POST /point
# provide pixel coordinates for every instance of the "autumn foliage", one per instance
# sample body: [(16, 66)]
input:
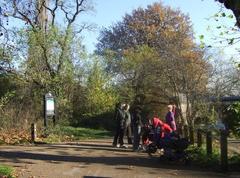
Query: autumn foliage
[(153, 49)]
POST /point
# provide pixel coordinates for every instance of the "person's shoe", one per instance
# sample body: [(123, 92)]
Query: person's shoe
[(124, 146), (118, 146)]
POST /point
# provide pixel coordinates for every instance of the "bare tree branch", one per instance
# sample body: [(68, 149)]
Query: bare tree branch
[(53, 12), (78, 10), (65, 12), (22, 15)]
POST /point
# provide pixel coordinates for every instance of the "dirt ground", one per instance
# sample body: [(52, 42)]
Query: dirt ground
[(93, 159)]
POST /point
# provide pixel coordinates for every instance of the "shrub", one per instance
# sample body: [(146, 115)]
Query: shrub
[(6, 171)]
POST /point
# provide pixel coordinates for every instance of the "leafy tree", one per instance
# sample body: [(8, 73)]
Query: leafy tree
[(153, 50), (100, 96), (190, 78), (157, 26), (229, 35), (224, 78), (232, 118), (135, 71), (233, 5), (43, 13), (50, 64), (6, 71), (6, 56), (47, 50)]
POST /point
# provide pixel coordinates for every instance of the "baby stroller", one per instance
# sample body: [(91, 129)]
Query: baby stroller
[(174, 147), (148, 143)]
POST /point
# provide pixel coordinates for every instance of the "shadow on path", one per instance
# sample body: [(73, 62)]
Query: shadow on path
[(85, 146), (113, 156)]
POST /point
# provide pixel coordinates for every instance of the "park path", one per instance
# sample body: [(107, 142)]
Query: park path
[(95, 158)]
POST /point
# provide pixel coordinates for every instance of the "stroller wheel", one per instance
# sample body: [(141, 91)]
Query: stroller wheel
[(150, 154), (150, 149)]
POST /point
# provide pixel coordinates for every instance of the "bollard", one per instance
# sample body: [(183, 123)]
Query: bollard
[(54, 120), (224, 150), (209, 142), (33, 132), (199, 138)]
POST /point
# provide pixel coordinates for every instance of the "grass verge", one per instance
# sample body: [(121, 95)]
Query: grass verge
[(67, 133), (6, 171)]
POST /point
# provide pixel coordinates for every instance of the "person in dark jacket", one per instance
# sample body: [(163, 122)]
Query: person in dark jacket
[(120, 125), (137, 124)]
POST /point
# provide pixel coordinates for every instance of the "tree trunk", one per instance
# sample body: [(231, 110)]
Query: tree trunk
[(191, 134), (42, 16), (199, 138)]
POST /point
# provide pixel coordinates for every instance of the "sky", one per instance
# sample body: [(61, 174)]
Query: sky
[(108, 12)]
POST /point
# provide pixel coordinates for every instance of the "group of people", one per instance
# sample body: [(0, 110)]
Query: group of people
[(131, 121)]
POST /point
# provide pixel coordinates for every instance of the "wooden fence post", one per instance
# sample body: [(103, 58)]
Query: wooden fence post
[(199, 138), (33, 132), (224, 150), (209, 142)]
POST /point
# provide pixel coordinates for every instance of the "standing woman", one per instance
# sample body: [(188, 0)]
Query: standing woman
[(128, 128), (170, 119)]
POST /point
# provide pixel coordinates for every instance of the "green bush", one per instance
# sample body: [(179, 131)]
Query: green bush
[(232, 118), (6, 171), (200, 157), (234, 162), (234, 159)]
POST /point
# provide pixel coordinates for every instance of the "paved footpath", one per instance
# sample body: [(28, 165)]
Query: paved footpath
[(95, 158)]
